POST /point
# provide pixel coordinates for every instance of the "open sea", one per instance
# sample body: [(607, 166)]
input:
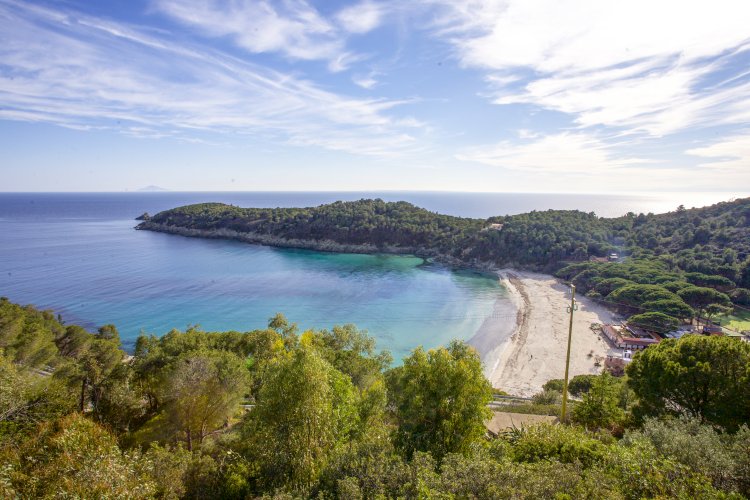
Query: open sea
[(78, 255)]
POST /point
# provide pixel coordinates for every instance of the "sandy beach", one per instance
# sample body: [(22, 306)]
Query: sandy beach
[(521, 356)]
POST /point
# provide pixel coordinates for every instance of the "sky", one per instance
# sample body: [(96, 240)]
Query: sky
[(567, 96)]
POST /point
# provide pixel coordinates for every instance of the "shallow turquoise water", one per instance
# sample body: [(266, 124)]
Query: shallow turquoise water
[(77, 253), (94, 268)]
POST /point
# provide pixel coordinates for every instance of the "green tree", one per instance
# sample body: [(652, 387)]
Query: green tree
[(441, 401), (76, 458), (304, 411), (580, 384), (27, 398), (702, 377), (654, 321), (675, 308), (701, 448), (699, 297), (600, 405), (202, 392)]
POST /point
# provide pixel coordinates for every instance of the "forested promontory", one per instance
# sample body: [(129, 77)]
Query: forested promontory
[(696, 261)]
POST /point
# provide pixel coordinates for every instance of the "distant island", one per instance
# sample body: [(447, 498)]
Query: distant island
[(152, 189)]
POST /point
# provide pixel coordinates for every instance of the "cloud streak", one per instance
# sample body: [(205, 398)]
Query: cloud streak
[(640, 66), (84, 72), (563, 153)]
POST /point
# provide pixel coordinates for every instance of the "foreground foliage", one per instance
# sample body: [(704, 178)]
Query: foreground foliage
[(276, 413)]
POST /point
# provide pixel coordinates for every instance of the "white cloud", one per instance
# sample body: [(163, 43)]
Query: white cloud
[(365, 81), (574, 35), (290, 27), (577, 161), (79, 71), (639, 65), (730, 155), (293, 28), (568, 153), (361, 18)]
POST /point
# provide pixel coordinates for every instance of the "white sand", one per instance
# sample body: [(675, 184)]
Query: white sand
[(535, 352)]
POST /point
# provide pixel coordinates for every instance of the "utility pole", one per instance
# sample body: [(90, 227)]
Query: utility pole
[(571, 308)]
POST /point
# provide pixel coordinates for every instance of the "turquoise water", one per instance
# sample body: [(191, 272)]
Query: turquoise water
[(90, 265), (77, 254)]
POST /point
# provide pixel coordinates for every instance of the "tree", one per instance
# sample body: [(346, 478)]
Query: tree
[(441, 401), (202, 392), (76, 458), (675, 308), (636, 295), (600, 406), (580, 384), (654, 321), (92, 362), (305, 409), (699, 297), (714, 309), (697, 376), (27, 398)]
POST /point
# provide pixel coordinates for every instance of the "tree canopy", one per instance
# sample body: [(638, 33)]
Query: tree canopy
[(702, 377)]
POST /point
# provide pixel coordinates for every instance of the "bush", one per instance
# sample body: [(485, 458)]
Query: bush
[(556, 384), (698, 447), (559, 442), (581, 384), (547, 397)]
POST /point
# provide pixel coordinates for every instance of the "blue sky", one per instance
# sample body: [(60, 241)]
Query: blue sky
[(515, 95)]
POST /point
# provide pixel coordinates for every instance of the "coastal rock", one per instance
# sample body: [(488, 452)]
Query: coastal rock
[(143, 216)]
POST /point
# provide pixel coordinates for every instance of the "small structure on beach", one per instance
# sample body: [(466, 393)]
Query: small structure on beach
[(630, 337), (712, 329)]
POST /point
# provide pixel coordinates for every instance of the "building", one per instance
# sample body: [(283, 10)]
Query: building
[(711, 329), (630, 337)]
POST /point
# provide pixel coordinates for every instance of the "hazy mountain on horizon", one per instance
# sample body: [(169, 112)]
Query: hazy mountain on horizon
[(152, 189)]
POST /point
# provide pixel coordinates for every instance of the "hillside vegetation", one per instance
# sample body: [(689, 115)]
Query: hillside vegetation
[(692, 262), (278, 413)]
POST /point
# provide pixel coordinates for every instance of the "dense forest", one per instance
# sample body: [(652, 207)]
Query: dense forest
[(673, 267), (278, 413)]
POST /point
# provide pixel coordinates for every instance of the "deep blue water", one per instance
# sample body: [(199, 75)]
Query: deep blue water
[(78, 254)]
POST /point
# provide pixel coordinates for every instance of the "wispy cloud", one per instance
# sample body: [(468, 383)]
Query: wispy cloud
[(290, 27), (565, 152), (642, 66), (367, 81), (80, 71), (730, 155), (293, 28), (361, 18)]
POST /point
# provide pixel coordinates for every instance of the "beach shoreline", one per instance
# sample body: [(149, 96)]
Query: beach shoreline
[(521, 356)]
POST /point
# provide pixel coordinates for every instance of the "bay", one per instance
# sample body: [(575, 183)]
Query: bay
[(78, 254)]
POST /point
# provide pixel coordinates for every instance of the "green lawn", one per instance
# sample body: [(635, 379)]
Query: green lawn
[(739, 320)]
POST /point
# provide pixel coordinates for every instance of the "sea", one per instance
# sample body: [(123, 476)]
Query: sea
[(79, 255)]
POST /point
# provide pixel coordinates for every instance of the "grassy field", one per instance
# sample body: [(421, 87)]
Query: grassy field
[(739, 320)]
